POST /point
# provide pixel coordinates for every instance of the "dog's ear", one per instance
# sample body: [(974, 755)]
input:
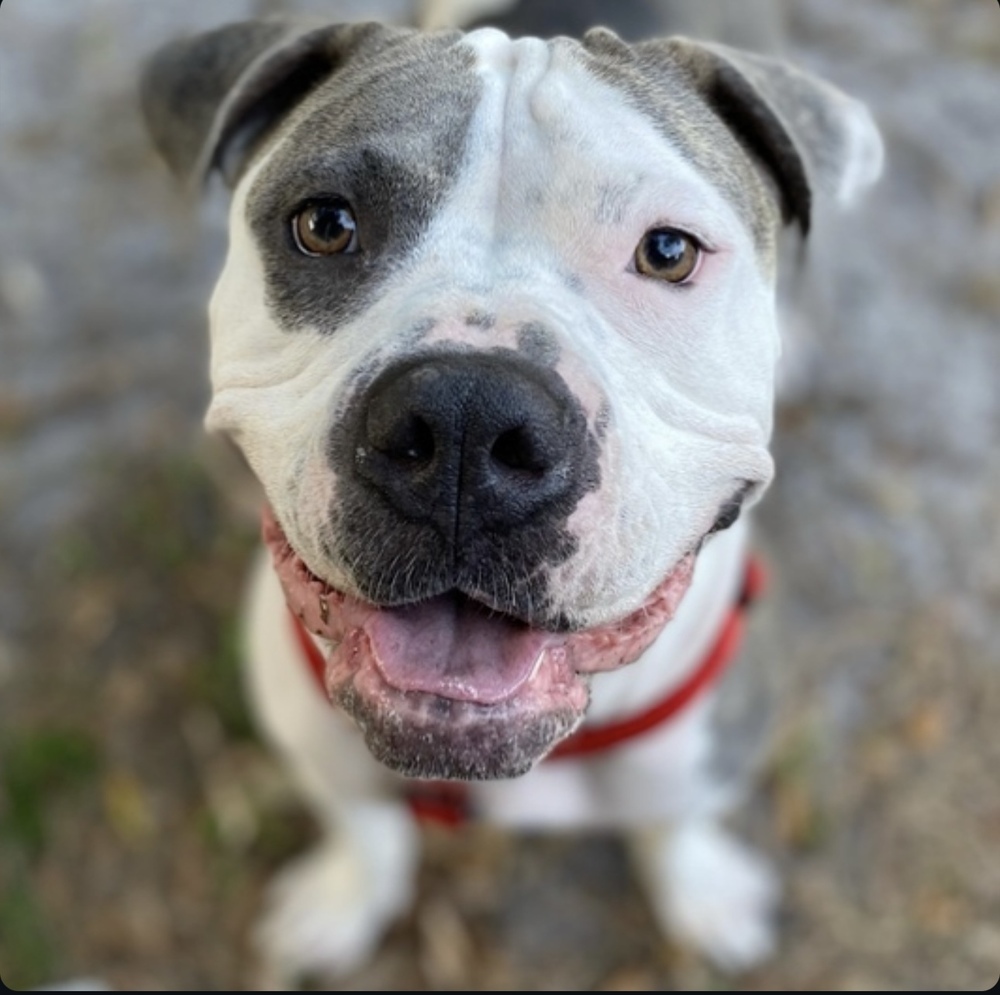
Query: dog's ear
[(211, 99), (811, 138)]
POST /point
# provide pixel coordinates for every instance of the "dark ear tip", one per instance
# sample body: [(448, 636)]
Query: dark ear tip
[(176, 128), (183, 85), (731, 80), (607, 42)]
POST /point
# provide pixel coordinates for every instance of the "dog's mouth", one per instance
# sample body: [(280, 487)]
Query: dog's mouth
[(447, 687)]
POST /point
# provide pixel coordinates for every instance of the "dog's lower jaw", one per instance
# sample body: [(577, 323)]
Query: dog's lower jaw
[(422, 734), (446, 689), (437, 738)]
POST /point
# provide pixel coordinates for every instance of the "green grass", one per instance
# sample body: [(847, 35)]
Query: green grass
[(27, 955), (218, 683), (162, 514), (33, 766)]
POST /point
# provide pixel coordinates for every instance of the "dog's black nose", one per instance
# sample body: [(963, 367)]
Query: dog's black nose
[(471, 443)]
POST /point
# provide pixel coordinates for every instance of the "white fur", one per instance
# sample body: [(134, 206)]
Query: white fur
[(710, 891), (328, 910)]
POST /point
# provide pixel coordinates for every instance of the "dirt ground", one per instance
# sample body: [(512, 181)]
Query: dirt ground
[(140, 817)]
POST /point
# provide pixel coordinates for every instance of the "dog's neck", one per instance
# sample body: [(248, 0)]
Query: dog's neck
[(685, 641)]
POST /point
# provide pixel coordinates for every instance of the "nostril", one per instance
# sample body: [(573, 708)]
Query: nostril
[(472, 444), (407, 439), (517, 449)]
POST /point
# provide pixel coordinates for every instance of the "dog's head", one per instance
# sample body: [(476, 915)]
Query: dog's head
[(497, 334)]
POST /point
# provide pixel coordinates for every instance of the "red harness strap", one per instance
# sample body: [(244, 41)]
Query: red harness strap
[(445, 802)]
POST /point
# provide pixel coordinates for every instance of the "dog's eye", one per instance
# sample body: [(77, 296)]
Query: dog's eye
[(667, 254), (326, 228)]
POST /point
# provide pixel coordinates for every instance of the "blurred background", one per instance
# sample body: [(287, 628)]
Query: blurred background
[(139, 814)]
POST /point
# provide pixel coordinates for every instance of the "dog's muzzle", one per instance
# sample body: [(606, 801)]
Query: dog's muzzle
[(475, 462)]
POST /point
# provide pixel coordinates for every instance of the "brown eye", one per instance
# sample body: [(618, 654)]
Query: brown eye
[(326, 228), (667, 254)]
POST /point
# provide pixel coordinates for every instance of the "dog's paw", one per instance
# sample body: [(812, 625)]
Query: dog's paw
[(327, 911), (712, 893)]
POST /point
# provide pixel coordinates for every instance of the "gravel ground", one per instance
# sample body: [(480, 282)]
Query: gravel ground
[(139, 816)]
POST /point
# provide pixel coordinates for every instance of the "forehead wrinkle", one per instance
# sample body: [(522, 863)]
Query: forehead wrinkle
[(504, 134), (517, 165)]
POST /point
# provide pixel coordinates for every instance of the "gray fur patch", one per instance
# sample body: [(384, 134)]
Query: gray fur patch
[(388, 135), (419, 330), (480, 319), (538, 344), (748, 702)]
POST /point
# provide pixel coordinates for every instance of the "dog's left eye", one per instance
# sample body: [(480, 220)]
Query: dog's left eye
[(326, 228), (668, 254)]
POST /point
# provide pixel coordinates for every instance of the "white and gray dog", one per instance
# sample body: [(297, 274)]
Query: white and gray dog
[(497, 335)]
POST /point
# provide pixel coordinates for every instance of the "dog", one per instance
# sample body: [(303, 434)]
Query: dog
[(497, 335)]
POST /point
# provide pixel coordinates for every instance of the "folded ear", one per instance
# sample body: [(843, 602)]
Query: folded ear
[(210, 100), (812, 139)]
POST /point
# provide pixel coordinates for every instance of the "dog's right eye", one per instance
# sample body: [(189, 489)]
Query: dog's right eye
[(326, 228), (668, 254)]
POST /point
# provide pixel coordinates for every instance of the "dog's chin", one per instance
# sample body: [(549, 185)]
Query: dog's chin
[(428, 736), (447, 688)]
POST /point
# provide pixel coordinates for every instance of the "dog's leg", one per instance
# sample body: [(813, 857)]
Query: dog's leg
[(328, 910), (709, 891)]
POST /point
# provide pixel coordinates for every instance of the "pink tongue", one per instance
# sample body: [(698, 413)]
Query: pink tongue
[(454, 648)]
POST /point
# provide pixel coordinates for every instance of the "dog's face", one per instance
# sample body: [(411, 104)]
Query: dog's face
[(497, 334)]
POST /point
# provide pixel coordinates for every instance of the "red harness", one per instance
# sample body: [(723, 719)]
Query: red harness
[(445, 801)]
